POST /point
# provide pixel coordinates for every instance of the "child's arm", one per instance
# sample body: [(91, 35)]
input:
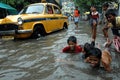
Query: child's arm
[(106, 60), (106, 66)]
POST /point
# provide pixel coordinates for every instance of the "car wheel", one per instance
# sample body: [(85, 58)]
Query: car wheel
[(42, 31), (36, 32)]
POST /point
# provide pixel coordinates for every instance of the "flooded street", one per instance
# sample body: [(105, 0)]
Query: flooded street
[(42, 59)]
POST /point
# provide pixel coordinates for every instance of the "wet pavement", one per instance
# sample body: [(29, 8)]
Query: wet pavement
[(42, 59)]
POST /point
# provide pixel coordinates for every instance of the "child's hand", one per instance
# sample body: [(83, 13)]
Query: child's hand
[(87, 60), (109, 25)]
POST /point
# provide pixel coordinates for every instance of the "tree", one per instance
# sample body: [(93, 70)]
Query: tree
[(19, 4), (85, 4)]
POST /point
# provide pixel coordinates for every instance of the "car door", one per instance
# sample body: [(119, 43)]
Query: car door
[(50, 26), (58, 18)]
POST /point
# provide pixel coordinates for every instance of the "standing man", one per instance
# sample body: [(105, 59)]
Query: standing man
[(76, 16)]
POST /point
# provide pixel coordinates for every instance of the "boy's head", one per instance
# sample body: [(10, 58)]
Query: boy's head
[(94, 57), (76, 7), (93, 8), (110, 15), (105, 6), (72, 41)]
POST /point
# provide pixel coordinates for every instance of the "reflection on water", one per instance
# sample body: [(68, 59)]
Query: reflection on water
[(42, 59)]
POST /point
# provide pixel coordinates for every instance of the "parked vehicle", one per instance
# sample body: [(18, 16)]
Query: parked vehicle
[(33, 21)]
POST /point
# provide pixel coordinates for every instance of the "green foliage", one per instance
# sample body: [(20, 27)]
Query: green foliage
[(18, 4), (84, 5)]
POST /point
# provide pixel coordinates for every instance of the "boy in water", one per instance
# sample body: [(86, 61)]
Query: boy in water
[(72, 46), (96, 57)]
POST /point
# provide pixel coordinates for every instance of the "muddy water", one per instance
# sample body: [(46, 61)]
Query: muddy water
[(42, 59)]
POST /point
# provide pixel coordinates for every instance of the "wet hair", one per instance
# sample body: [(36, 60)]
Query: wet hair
[(87, 47), (110, 12), (95, 52), (72, 38), (105, 5)]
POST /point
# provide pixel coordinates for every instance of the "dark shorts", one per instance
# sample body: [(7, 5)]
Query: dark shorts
[(116, 31), (93, 21)]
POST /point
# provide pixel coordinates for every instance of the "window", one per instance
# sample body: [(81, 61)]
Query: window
[(57, 10), (49, 9), (32, 9)]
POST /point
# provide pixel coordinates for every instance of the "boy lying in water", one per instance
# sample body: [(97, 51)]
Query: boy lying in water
[(96, 57)]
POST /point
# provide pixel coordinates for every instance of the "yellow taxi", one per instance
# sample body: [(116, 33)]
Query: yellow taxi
[(34, 20)]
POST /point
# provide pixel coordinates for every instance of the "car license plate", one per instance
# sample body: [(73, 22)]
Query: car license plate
[(7, 37)]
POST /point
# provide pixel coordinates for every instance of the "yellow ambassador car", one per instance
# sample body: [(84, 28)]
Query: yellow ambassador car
[(34, 21)]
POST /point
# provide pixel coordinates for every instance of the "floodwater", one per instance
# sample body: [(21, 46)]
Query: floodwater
[(42, 59)]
